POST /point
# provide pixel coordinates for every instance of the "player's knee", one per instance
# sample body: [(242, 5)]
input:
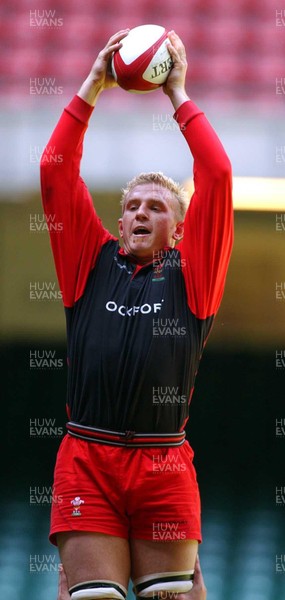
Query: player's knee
[(98, 590), (164, 586)]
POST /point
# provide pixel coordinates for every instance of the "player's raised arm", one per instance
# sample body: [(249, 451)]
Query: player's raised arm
[(208, 226), (75, 230), (100, 77)]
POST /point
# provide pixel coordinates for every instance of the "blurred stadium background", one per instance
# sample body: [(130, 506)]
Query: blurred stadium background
[(237, 419)]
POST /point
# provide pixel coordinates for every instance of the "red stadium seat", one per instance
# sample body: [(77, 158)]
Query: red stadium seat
[(77, 32), (223, 35), (159, 12), (216, 8), (73, 7), (22, 64), (254, 9), (264, 42), (16, 31)]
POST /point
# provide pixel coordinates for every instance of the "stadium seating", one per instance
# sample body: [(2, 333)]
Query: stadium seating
[(235, 50)]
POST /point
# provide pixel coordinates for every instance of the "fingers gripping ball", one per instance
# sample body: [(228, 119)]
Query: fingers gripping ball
[(143, 62)]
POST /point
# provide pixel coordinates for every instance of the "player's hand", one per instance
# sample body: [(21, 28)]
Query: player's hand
[(63, 593), (199, 590), (174, 86), (177, 75), (100, 76), (101, 72)]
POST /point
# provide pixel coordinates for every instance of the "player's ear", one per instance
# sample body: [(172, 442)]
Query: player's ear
[(179, 231), (120, 226)]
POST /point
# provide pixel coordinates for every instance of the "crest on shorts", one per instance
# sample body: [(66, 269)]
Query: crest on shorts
[(76, 504)]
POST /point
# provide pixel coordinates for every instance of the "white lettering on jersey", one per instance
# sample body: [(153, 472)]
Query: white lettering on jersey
[(124, 311)]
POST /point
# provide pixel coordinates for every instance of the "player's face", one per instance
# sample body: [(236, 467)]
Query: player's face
[(149, 221)]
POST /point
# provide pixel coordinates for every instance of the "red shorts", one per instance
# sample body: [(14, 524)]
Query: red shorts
[(144, 493)]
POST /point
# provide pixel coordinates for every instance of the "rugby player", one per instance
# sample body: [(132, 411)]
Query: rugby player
[(137, 321)]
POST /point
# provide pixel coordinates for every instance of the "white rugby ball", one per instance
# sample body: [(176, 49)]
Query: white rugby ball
[(143, 62)]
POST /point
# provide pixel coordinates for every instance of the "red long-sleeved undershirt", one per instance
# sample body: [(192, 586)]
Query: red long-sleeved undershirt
[(208, 234)]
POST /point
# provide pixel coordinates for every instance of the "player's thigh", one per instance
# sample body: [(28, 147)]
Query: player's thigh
[(148, 557), (92, 556)]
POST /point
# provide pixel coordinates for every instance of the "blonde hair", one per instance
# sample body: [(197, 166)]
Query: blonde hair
[(177, 191)]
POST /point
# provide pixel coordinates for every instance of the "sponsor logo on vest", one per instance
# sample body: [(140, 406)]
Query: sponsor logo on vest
[(126, 311)]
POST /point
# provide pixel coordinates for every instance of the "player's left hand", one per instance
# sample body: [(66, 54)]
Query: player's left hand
[(176, 78)]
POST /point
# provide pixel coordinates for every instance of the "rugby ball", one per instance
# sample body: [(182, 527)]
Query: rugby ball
[(143, 62)]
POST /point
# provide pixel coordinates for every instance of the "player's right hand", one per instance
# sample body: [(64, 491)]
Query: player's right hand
[(101, 72)]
